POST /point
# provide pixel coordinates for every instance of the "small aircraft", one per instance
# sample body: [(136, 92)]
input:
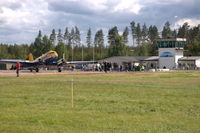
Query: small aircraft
[(47, 60)]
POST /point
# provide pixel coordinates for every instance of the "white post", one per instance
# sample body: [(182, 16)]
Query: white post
[(72, 85), (72, 51)]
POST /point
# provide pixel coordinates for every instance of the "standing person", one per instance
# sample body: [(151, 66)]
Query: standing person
[(120, 68), (142, 68), (105, 66), (18, 68)]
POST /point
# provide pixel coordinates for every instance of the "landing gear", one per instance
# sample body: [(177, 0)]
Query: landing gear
[(59, 69), (37, 70)]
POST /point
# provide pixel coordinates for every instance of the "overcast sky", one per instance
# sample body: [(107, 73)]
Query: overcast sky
[(20, 20)]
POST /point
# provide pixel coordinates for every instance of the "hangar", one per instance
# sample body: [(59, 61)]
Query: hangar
[(170, 56)]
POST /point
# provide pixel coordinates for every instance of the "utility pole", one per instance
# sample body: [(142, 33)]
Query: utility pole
[(82, 51), (93, 53), (72, 51)]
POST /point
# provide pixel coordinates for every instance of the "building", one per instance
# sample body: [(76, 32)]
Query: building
[(170, 50), (170, 56), (151, 62), (126, 62), (189, 63), (5, 66)]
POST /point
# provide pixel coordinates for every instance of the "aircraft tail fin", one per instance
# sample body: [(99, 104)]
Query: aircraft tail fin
[(30, 57)]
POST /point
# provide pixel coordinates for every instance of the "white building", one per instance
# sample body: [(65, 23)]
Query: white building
[(170, 50)]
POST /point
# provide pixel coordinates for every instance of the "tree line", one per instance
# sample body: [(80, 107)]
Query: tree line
[(70, 47)]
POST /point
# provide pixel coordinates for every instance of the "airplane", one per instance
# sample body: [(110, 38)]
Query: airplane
[(49, 59)]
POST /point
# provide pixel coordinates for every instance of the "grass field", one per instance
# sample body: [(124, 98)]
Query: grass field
[(143, 102)]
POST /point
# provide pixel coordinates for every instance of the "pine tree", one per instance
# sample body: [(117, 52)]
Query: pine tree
[(99, 44), (174, 33), (138, 34), (144, 33), (48, 45), (198, 32), (153, 33), (166, 32), (112, 33), (125, 35), (183, 30), (39, 34), (60, 36), (133, 31), (120, 46), (117, 46), (37, 47), (77, 37), (53, 36), (66, 36), (60, 49), (72, 38), (89, 38)]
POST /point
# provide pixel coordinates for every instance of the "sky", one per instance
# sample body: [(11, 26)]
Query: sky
[(20, 20)]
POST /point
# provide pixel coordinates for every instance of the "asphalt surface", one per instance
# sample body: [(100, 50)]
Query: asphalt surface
[(43, 72)]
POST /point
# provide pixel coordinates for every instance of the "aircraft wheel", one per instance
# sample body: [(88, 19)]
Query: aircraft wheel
[(37, 69), (59, 70)]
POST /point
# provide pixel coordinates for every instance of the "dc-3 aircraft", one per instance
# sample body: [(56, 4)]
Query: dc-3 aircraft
[(47, 60)]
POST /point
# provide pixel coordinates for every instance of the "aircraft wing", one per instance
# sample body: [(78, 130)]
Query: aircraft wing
[(28, 64), (24, 63), (12, 61)]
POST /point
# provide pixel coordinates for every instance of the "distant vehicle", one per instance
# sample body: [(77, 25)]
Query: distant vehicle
[(47, 60)]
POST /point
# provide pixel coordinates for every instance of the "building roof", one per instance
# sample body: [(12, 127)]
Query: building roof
[(120, 59), (189, 58), (171, 39), (152, 58), (117, 59)]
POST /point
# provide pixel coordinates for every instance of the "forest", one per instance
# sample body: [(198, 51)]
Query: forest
[(68, 44)]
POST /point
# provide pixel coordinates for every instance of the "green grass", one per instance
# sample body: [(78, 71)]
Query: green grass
[(143, 102)]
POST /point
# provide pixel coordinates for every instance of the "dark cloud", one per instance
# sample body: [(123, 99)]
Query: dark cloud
[(158, 14), (15, 5), (70, 7), (12, 5)]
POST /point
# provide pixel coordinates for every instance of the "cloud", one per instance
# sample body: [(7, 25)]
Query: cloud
[(128, 6), (69, 7), (12, 4), (24, 18), (191, 21)]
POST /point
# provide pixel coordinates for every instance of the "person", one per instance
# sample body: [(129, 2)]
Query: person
[(120, 68), (142, 68), (18, 68), (105, 66)]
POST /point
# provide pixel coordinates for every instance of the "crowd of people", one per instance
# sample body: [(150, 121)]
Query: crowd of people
[(109, 66)]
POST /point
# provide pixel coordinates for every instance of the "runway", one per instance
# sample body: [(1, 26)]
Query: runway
[(43, 72)]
